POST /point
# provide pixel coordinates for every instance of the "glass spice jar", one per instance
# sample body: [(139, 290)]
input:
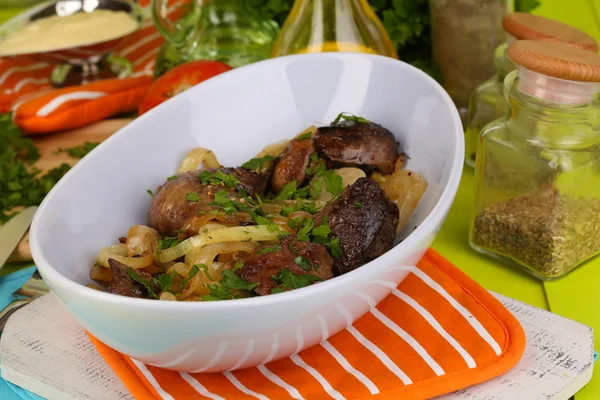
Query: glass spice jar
[(487, 102), (537, 175), (464, 36), (316, 26)]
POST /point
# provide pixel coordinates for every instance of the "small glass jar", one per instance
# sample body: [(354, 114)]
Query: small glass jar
[(537, 175), (487, 102), (316, 26), (464, 36)]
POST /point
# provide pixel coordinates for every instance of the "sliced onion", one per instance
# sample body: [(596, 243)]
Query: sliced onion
[(99, 273), (119, 253), (234, 234), (167, 296), (196, 157), (207, 254), (274, 149), (350, 175), (195, 225), (300, 214), (141, 239)]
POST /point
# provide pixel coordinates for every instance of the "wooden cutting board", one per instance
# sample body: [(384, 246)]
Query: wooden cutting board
[(50, 158)]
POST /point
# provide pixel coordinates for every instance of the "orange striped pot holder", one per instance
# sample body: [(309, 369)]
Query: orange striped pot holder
[(437, 332), (38, 108)]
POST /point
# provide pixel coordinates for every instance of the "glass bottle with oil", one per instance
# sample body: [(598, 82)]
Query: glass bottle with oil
[(315, 26)]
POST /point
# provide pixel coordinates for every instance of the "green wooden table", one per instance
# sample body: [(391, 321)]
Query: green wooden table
[(576, 296)]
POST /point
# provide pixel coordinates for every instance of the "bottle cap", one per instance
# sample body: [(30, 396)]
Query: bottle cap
[(525, 26), (556, 60)]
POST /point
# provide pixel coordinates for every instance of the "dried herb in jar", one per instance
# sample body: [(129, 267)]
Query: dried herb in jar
[(544, 230)]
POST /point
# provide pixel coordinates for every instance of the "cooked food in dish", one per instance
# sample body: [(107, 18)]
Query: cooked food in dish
[(320, 205), (60, 32)]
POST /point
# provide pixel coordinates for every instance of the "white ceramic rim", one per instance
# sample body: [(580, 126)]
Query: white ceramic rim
[(426, 227)]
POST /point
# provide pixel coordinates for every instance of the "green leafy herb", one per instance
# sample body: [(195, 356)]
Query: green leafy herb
[(358, 204), (218, 178), (301, 193), (192, 273), (192, 197), (303, 262), (277, 290), (257, 163), (334, 247), (349, 117), (238, 265), (148, 284), (78, 151), (260, 220), (20, 184), (167, 242), (172, 177), (320, 234), (306, 226), (150, 193), (333, 182), (204, 268), (288, 279), (305, 136), (287, 191), (222, 201), (165, 282), (218, 292), (316, 186), (271, 249), (233, 281)]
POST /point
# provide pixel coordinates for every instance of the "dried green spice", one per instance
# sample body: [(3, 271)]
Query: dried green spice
[(545, 230)]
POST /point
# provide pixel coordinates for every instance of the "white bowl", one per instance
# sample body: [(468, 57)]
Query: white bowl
[(236, 114)]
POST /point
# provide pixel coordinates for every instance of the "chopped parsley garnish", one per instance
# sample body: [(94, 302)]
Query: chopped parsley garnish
[(333, 182), (320, 234), (305, 135), (260, 220), (192, 197), (167, 242), (349, 117), (316, 186), (303, 262), (317, 166), (172, 177), (287, 191), (277, 290), (233, 281), (334, 247), (165, 282), (150, 193), (218, 292), (288, 279), (358, 204), (78, 151), (271, 249), (204, 268), (302, 193), (218, 178), (20, 184), (149, 284), (238, 265), (222, 201), (192, 273), (257, 163)]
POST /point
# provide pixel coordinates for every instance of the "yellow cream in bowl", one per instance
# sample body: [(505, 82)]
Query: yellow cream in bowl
[(78, 29)]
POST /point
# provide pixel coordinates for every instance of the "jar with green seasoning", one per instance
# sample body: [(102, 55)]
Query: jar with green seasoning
[(487, 102), (537, 175)]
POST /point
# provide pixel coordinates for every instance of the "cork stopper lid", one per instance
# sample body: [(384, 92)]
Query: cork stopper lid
[(525, 26), (556, 60)]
